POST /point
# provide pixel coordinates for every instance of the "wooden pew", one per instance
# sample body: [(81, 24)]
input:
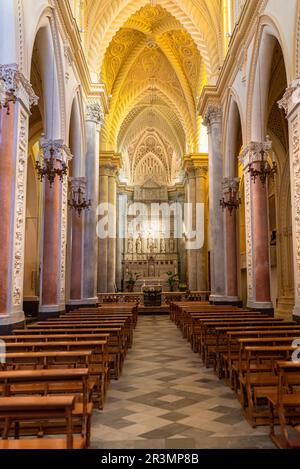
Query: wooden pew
[(37, 408), (208, 339), (230, 347), (256, 384), (116, 346), (98, 368), (52, 382), (285, 405)]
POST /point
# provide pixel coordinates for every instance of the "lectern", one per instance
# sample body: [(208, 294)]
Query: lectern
[(152, 296)]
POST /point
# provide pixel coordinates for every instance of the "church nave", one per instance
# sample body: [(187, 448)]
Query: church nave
[(166, 398)]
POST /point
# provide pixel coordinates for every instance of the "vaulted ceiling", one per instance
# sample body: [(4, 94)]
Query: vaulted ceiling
[(154, 57)]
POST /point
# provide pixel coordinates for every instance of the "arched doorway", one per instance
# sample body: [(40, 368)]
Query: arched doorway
[(279, 192)]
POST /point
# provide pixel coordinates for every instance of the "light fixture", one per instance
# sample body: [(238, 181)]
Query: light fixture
[(52, 167), (232, 201), (6, 96), (264, 170), (78, 202)]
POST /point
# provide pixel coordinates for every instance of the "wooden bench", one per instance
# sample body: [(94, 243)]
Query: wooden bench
[(285, 405), (229, 347), (36, 408), (208, 338), (98, 367), (47, 383), (116, 345), (256, 384)]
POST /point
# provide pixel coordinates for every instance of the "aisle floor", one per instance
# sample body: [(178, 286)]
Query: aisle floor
[(165, 398)]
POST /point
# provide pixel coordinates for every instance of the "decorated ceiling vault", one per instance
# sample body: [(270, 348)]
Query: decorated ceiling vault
[(154, 59)]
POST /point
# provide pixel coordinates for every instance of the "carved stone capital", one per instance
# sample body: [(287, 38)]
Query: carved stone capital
[(190, 172), (230, 183), (61, 151), (94, 113), (254, 151), (291, 97), (212, 116), (14, 82), (196, 165), (201, 172), (109, 170), (78, 183)]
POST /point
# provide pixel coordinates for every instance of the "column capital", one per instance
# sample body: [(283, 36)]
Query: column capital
[(61, 150), (94, 113), (255, 151), (110, 163), (77, 183), (14, 83), (196, 165), (232, 183), (213, 115), (291, 97)]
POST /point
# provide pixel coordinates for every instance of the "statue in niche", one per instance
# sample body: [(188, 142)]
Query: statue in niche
[(139, 245), (156, 246), (167, 246), (162, 245), (171, 245), (130, 246), (150, 245)]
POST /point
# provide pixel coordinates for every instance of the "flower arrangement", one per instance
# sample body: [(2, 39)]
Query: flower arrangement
[(172, 280)]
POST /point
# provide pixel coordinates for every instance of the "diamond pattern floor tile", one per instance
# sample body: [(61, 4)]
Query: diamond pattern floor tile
[(165, 398)]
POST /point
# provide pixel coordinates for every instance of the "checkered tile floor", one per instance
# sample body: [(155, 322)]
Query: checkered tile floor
[(165, 398)]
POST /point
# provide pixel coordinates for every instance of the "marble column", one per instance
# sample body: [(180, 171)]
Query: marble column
[(94, 119), (13, 178), (291, 104), (109, 167), (121, 234), (257, 231), (191, 257), (103, 243), (213, 122), (201, 171), (112, 239), (53, 269), (77, 224), (231, 254)]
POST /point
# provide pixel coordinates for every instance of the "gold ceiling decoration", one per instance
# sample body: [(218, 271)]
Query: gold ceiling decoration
[(154, 58)]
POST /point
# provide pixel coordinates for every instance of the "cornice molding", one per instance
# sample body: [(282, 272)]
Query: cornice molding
[(75, 50), (248, 18)]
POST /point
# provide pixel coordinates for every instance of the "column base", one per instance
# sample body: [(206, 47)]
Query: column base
[(50, 311), (31, 307), (9, 322), (84, 303), (225, 300), (296, 313), (264, 307)]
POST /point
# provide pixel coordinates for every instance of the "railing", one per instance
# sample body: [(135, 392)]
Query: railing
[(167, 297)]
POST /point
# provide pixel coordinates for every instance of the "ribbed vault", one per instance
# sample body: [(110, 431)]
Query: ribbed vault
[(154, 58)]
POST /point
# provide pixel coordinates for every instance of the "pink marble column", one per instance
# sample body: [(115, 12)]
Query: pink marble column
[(7, 139), (18, 94), (50, 293), (54, 235), (231, 240), (257, 230), (261, 240), (76, 287), (231, 254)]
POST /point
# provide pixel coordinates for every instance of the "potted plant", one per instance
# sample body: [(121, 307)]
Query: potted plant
[(172, 280), (182, 287), (132, 278)]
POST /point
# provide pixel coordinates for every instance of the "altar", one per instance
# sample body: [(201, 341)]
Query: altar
[(149, 255), (152, 295)]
